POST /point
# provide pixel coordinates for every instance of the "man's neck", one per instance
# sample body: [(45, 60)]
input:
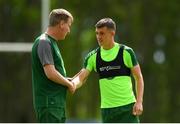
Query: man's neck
[(109, 45), (50, 31)]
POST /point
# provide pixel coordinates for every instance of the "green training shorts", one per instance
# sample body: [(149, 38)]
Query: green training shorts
[(51, 115), (122, 114)]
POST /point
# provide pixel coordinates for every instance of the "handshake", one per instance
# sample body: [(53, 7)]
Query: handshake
[(78, 80), (73, 85)]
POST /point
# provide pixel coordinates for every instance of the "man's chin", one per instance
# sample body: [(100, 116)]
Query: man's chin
[(100, 44), (62, 38)]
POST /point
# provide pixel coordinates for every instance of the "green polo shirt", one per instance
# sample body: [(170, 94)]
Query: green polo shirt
[(118, 90), (47, 93)]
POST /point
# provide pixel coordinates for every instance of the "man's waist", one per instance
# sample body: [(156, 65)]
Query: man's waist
[(112, 104), (50, 101)]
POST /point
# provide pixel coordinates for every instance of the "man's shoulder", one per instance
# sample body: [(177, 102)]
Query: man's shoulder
[(128, 51), (91, 53), (43, 38), (126, 48), (41, 41), (94, 51), (90, 58)]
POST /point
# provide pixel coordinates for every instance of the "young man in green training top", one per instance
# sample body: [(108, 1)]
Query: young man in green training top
[(114, 63), (48, 73)]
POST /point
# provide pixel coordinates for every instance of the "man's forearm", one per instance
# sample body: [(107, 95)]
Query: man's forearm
[(136, 71), (140, 93), (80, 78), (58, 78), (55, 76), (139, 88)]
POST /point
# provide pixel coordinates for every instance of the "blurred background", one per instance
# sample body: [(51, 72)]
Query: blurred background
[(150, 27)]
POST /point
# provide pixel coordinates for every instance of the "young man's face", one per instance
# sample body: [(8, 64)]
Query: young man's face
[(64, 29), (104, 35)]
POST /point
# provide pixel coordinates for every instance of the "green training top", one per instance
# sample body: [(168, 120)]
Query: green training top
[(118, 90), (47, 93)]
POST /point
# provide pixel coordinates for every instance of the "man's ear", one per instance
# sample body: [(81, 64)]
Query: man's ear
[(61, 23), (113, 33)]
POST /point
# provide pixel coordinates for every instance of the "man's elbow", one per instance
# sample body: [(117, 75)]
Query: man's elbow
[(50, 76), (49, 71)]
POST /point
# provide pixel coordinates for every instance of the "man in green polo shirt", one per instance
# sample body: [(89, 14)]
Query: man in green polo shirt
[(115, 63), (48, 72)]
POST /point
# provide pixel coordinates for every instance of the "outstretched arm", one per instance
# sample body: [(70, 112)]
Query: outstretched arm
[(138, 107), (80, 78)]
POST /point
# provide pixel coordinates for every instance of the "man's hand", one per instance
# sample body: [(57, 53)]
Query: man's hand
[(72, 87), (69, 78), (137, 108)]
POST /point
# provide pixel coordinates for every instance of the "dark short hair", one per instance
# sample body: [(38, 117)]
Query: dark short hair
[(58, 15), (106, 22)]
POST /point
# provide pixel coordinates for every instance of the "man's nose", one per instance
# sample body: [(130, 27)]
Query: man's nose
[(98, 36), (69, 30)]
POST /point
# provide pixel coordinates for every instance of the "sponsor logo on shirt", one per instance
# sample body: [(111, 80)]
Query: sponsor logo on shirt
[(107, 68)]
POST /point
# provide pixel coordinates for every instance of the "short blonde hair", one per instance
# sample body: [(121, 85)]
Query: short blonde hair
[(58, 15)]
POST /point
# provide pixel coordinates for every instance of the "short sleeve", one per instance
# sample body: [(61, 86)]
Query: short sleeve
[(90, 61), (45, 52), (130, 59)]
